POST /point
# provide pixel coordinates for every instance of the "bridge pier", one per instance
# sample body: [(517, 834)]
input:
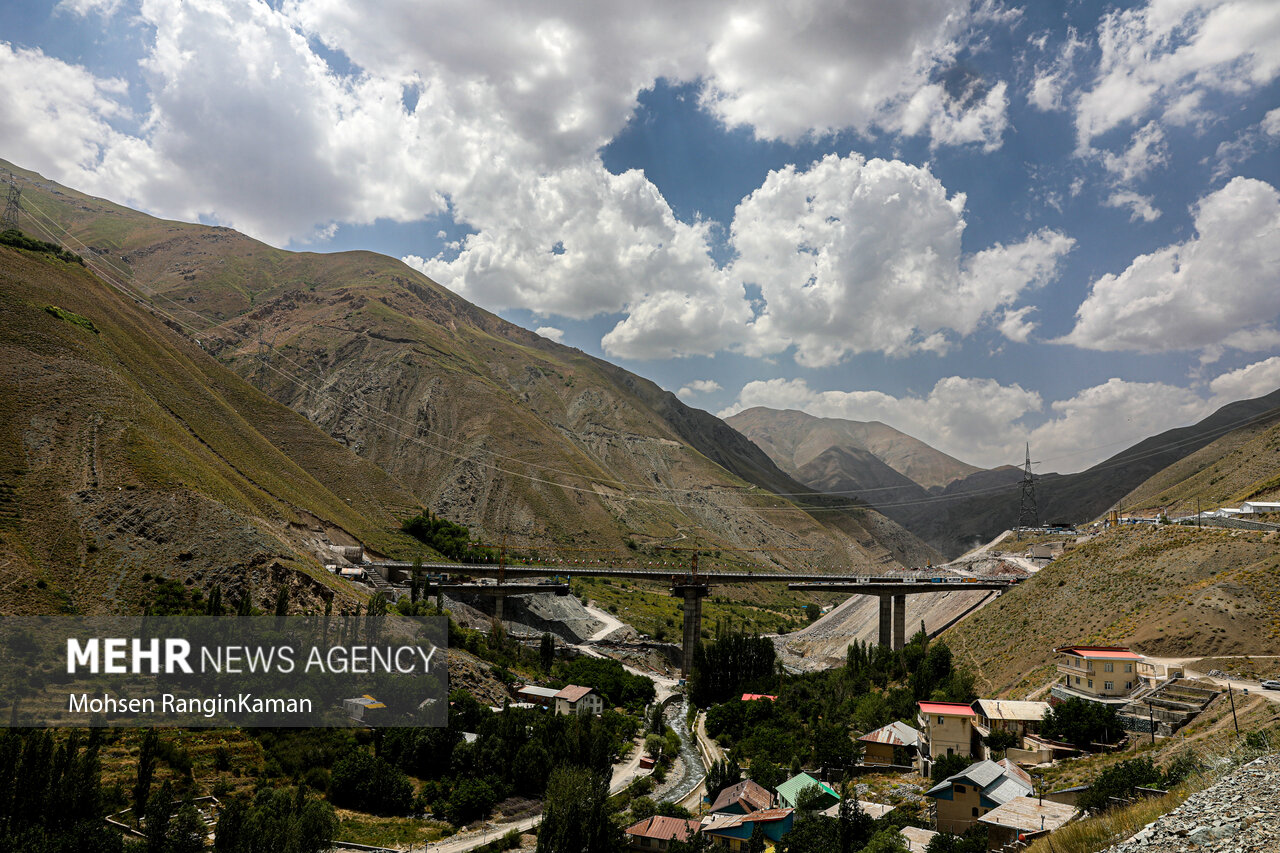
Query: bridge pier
[(899, 621), (886, 618), (693, 594)]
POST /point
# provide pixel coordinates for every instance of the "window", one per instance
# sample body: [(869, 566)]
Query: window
[(1090, 666), (959, 789), (1077, 679), (1128, 685), (941, 719), (1090, 683), (1108, 685), (1128, 667), (1109, 666), (975, 811)]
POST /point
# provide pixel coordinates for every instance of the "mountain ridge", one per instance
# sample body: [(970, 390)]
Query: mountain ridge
[(488, 423)]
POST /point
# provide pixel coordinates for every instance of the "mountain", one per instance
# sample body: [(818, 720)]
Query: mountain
[(1242, 465), (128, 455), (977, 507), (481, 421), (793, 439)]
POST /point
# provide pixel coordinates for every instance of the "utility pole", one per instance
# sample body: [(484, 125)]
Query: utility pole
[(1232, 696), (12, 207), (1151, 719), (1027, 509)]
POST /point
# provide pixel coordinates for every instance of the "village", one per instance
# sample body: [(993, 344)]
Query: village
[(984, 759)]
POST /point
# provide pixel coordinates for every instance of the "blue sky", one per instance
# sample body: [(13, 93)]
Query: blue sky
[(983, 223)]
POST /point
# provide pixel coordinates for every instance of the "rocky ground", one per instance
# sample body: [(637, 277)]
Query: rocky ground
[(1239, 814)]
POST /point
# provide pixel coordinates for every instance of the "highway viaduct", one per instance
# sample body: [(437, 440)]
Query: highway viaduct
[(693, 586)]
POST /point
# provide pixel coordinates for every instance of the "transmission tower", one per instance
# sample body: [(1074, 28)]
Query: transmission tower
[(1028, 512), (12, 207)]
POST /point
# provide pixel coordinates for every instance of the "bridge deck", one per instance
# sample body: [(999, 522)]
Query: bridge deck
[(926, 581)]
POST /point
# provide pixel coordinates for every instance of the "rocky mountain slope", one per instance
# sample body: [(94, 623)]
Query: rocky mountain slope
[(484, 422), (128, 455)]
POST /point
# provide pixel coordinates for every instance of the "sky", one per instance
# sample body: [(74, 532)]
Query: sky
[(981, 223)]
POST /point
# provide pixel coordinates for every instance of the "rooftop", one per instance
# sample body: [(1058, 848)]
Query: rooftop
[(1108, 652), (747, 794), (1000, 781), (791, 788), (917, 839), (665, 828), (721, 822), (954, 709), (755, 697), (1004, 709), (573, 693), (540, 692), (894, 734), (1030, 814)]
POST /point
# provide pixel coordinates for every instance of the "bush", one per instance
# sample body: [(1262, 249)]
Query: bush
[(367, 783), (1081, 723)]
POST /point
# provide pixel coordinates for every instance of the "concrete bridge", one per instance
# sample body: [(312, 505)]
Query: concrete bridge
[(693, 586)]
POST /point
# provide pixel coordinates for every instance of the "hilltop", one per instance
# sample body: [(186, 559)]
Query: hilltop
[(483, 422)]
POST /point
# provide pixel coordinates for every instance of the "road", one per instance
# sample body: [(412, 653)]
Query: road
[(1238, 684)]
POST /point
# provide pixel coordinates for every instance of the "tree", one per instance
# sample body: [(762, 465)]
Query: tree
[(856, 826), (157, 825), (766, 774), (146, 770), (368, 783), (720, 775), (547, 651), (575, 814), (186, 830), (1118, 782), (1080, 723), (948, 765), (887, 840), (756, 843), (1001, 741), (472, 799)]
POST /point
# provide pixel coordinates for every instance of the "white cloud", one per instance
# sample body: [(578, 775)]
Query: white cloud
[(854, 256), (1147, 149), (986, 423), (791, 70), (1052, 80), (1015, 326), (57, 117), (1140, 206), (1167, 56), (1255, 380), (698, 386), (1217, 288), (1248, 142), (550, 333)]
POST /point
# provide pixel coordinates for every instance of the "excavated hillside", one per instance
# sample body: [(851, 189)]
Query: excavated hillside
[(128, 454), (487, 423), (1165, 590)]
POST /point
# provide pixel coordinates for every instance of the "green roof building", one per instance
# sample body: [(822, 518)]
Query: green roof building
[(789, 792)]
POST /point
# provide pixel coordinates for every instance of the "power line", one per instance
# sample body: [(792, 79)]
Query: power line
[(266, 350)]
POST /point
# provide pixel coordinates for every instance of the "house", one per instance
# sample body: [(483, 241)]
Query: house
[(1151, 673), (544, 696), (789, 792), (1024, 819), (917, 839), (964, 797), (743, 798), (1106, 674), (875, 810), (1020, 718), (581, 701), (734, 831), (357, 708), (948, 730), (896, 744), (1046, 550), (1254, 508), (657, 832)]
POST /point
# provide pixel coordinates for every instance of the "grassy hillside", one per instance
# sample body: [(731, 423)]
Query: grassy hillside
[(1166, 591), (127, 452), (1242, 465), (486, 423)]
